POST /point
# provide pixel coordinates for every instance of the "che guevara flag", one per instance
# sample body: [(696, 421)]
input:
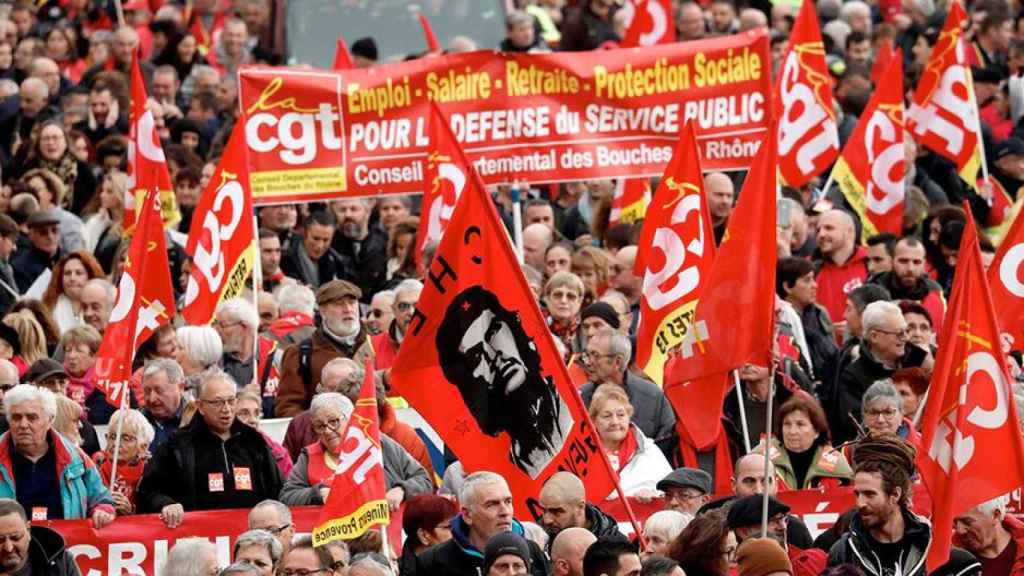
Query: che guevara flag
[(734, 321), (480, 365), (943, 114), (652, 23), (147, 166), (145, 301), (221, 240), (629, 201), (358, 497), (970, 421), (674, 257), (808, 136), (870, 170), (445, 178), (1006, 279)]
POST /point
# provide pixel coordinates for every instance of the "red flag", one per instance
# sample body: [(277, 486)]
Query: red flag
[(147, 166), (674, 257), (970, 421), (480, 365), (1006, 277), (629, 202), (871, 168), (649, 22), (446, 175), (145, 301), (221, 240), (342, 58), (883, 57), (433, 45), (735, 312), (943, 114), (808, 137), (358, 497)]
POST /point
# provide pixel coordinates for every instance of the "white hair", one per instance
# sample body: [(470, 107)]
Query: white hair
[(241, 310), (284, 514), (837, 30), (668, 523), (852, 8), (213, 374), (261, 538), (135, 423), (332, 400), (296, 298), (882, 391), (107, 287), (408, 285), (469, 485), (185, 558), (169, 366), (23, 393), (201, 343), (874, 314), (998, 503)]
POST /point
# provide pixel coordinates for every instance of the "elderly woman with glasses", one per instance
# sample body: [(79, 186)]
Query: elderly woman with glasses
[(310, 480), (260, 549), (136, 434), (563, 299), (882, 414)]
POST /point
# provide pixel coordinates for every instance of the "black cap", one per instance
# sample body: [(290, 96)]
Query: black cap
[(10, 335), (985, 75), (746, 511), (365, 47), (1012, 146), (604, 311), (42, 369), (686, 478), (503, 544)]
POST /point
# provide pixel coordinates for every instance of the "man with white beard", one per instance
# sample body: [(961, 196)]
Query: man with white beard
[(340, 334)]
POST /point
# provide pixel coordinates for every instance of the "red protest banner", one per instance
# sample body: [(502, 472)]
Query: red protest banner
[(315, 135)]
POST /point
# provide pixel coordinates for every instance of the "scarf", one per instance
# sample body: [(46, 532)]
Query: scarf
[(67, 170), (349, 341), (310, 270), (621, 457)]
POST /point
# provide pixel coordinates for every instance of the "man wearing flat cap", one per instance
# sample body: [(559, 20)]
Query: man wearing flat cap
[(43, 251), (685, 489), (744, 519), (340, 335)]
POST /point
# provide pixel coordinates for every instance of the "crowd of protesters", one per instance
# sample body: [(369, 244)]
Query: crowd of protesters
[(858, 319)]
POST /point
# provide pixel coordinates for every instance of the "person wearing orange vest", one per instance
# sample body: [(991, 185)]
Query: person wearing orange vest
[(237, 322)]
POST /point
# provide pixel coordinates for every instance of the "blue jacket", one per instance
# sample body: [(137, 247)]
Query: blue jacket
[(458, 557), (81, 488)]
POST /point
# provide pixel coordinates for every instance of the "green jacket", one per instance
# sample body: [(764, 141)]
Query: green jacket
[(828, 467)]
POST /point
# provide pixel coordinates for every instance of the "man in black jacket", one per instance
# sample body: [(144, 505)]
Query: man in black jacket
[(563, 499), (486, 510), (363, 247), (33, 549), (884, 537), (217, 462)]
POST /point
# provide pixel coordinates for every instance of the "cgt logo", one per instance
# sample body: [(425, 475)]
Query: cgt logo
[(297, 133), (884, 142)]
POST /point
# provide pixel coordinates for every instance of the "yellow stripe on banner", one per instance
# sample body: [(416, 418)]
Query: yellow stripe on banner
[(633, 212), (236, 279), (969, 173), (854, 192), (671, 331), (370, 514), (290, 182), (168, 207)]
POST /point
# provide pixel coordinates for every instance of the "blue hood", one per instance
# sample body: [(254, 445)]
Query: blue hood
[(460, 534)]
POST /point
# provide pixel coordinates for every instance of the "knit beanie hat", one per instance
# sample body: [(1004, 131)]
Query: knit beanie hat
[(762, 556), (602, 310), (503, 544)]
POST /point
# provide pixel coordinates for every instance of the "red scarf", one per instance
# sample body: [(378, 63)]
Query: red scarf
[(128, 475), (627, 449)]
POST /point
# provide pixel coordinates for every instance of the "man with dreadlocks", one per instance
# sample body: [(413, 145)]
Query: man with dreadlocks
[(885, 538)]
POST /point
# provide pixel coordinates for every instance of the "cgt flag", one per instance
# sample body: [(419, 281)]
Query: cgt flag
[(808, 137), (970, 420), (629, 202), (870, 170), (147, 166), (676, 250), (358, 498), (1006, 278), (221, 241), (145, 301), (480, 365), (735, 315), (943, 115), (649, 22), (342, 57), (446, 177)]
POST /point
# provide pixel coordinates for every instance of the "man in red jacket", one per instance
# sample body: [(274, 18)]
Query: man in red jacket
[(993, 536), (843, 264)]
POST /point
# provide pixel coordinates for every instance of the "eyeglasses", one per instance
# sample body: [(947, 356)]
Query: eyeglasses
[(377, 313), (125, 438), (404, 306), (332, 424), (225, 325), (901, 334), (593, 356), (682, 496), (220, 403), (277, 531), (564, 295), (300, 572), (888, 414)]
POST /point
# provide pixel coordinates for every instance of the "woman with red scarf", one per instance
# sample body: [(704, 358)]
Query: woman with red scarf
[(136, 436), (563, 298), (635, 457)]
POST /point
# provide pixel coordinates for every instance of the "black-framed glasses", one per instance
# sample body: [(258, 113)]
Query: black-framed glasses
[(277, 531), (332, 424), (300, 572)]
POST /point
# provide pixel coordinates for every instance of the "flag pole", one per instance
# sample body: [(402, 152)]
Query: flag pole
[(257, 285), (517, 222), (120, 13), (384, 542), (767, 453), (743, 410)]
